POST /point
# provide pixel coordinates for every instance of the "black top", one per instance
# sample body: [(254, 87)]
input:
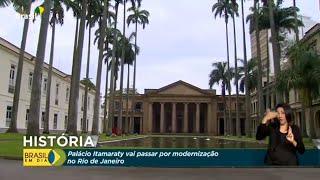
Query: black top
[(280, 150)]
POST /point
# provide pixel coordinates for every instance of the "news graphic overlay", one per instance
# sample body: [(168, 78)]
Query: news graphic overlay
[(178, 157), (43, 157), (38, 11), (36, 153), (83, 151), (141, 157)]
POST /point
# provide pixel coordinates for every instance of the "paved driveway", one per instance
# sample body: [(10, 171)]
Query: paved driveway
[(13, 169)]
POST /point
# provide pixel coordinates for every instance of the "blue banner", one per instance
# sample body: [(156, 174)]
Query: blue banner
[(177, 157)]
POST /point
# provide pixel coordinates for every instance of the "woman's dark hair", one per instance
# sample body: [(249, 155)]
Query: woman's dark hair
[(287, 111)]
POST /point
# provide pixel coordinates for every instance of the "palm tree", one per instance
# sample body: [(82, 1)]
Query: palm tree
[(93, 10), (268, 103), (96, 114), (133, 2), (138, 16), (235, 13), (75, 77), (296, 21), (76, 13), (248, 81), (112, 77), (251, 75), (302, 74), (245, 63), (218, 75), (276, 18), (129, 59), (275, 47), (283, 19), (255, 26), (33, 123), (109, 40), (23, 7), (119, 123), (257, 34), (57, 17), (224, 9), (20, 6)]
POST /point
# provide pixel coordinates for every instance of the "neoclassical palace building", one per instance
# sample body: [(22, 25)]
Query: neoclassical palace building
[(60, 92), (181, 108)]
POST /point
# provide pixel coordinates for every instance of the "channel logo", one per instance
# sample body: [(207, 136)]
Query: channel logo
[(43, 157)]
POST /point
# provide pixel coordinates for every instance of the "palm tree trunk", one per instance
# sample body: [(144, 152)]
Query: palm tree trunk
[(75, 77), (48, 97), (238, 124), (296, 22), (75, 46), (312, 132), (16, 97), (33, 123), (224, 109), (106, 96), (275, 48), (229, 74), (127, 104), (85, 111), (96, 114), (246, 80), (303, 114), (259, 86), (131, 127), (112, 78), (114, 96), (122, 66), (106, 101), (268, 103)]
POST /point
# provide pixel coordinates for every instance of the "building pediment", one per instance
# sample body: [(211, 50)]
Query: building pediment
[(180, 88)]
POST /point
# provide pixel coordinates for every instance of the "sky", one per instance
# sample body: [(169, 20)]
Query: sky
[(181, 41)]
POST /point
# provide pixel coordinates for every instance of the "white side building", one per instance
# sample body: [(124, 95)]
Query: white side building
[(60, 91), (308, 23)]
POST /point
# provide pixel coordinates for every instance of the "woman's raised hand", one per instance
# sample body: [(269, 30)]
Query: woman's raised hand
[(269, 115)]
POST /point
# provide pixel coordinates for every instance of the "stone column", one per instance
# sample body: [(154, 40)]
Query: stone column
[(185, 118), (141, 125), (150, 118), (210, 125), (174, 118), (272, 101), (218, 126), (198, 118), (162, 118)]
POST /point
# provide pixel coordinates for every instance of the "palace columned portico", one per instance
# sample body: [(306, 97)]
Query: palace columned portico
[(179, 117), (181, 108)]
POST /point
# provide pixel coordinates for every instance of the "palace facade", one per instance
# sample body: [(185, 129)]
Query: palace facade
[(60, 92), (181, 108)]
